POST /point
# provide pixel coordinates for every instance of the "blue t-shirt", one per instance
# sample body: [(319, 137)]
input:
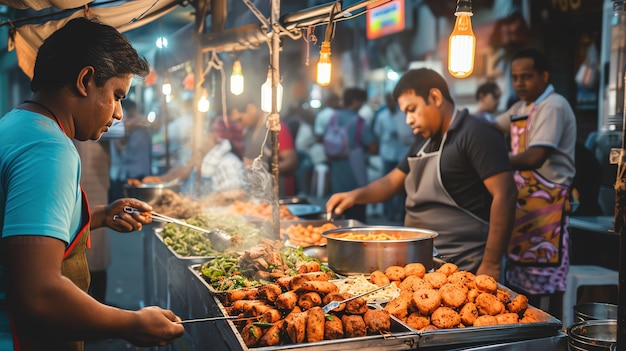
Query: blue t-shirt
[(39, 179)]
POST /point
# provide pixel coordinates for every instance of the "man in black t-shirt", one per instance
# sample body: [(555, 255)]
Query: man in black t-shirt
[(457, 176)]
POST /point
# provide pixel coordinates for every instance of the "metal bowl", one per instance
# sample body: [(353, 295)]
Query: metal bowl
[(594, 310), (149, 191), (349, 257), (592, 335)]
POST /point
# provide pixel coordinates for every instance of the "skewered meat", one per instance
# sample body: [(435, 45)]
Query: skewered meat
[(315, 324), (356, 306), (251, 334), (353, 326), (377, 321), (287, 300), (269, 292), (336, 296), (272, 336), (333, 327), (296, 327), (318, 286), (309, 300)]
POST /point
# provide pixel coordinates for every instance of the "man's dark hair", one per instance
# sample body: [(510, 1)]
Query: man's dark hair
[(353, 94), (420, 81), (541, 63), (488, 88), (80, 43)]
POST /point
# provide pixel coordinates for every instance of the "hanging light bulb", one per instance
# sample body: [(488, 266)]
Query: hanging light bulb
[(266, 94), (462, 43), (236, 79), (324, 65), (203, 102), (166, 88)]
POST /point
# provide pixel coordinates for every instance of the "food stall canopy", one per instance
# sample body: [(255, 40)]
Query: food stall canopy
[(27, 38)]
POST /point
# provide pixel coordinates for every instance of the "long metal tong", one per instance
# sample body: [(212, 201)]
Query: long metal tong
[(220, 240), (165, 219), (334, 304)]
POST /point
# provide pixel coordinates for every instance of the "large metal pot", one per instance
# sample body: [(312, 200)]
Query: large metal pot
[(149, 191), (349, 257)]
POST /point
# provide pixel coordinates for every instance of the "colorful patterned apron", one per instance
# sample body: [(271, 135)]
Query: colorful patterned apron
[(462, 235), (541, 206), (74, 267)]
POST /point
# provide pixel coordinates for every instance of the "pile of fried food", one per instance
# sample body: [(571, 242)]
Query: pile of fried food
[(266, 262), (173, 204), (290, 311), (300, 235), (449, 298)]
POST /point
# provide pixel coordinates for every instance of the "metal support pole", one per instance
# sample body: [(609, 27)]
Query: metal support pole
[(620, 224), (274, 64)]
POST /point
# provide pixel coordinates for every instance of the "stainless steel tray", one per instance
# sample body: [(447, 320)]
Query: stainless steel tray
[(401, 337), (549, 326), (187, 259)]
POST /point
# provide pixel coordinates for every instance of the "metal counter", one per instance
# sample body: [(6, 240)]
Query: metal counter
[(178, 286)]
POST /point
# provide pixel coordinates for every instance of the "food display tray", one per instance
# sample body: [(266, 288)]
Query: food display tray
[(187, 259), (444, 339), (548, 326), (400, 338)]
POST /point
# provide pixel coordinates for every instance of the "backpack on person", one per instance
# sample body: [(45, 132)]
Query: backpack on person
[(335, 140)]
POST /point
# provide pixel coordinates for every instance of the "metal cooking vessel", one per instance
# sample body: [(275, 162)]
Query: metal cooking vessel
[(349, 257), (592, 335), (149, 191), (594, 310)]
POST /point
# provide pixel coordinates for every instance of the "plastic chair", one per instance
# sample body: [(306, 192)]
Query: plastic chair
[(582, 275)]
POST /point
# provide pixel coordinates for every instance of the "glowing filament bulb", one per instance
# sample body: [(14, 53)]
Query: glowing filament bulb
[(236, 79), (461, 46), (324, 65)]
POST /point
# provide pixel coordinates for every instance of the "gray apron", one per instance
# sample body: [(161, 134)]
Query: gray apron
[(462, 235)]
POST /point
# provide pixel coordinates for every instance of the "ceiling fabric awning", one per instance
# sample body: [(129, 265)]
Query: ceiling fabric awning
[(129, 15)]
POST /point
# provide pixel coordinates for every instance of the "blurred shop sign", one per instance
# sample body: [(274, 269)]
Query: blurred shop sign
[(386, 19)]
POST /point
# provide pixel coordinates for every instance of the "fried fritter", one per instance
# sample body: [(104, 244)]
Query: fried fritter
[(426, 300), (416, 269), (447, 268), (465, 278), (485, 320), (399, 306), (489, 304), (507, 318), (417, 321), (519, 304), (468, 313), (445, 318), (486, 283), (309, 300), (395, 273), (336, 296), (453, 295), (286, 300), (379, 278), (436, 279)]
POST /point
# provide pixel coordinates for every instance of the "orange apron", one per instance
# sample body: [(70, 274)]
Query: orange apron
[(541, 208)]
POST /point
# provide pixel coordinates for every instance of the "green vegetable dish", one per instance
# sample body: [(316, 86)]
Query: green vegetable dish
[(225, 272), (188, 242)]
